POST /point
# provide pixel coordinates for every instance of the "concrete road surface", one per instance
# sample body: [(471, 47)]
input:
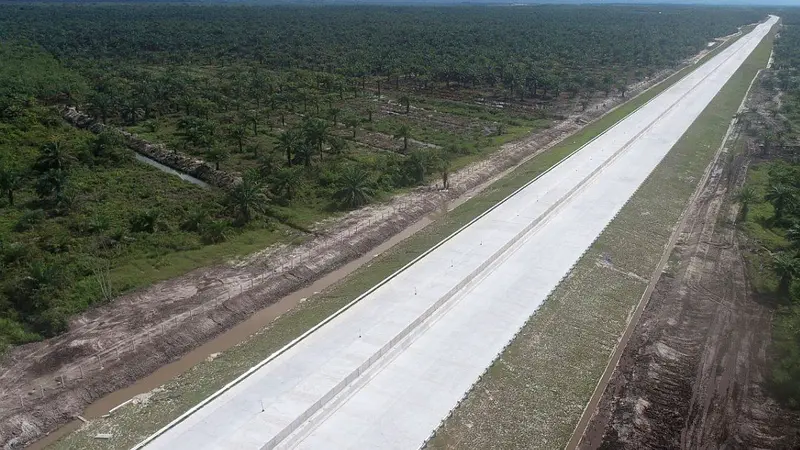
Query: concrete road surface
[(386, 371)]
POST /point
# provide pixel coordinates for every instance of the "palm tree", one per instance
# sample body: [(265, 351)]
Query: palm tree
[(746, 196), (101, 105), (316, 132), (355, 187), (196, 220), (403, 132), (781, 196), (146, 221), (352, 122), (267, 164), (214, 231), (253, 117), (288, 142), (286, 182), (52, 183), (10, 181), (405, 100), (247, 199), (237, 133), (334, 115), (786, 267), (443, 165), (338, 145), (793, 235), (371, 109), (418, 164), (130, 112), (217, 154), (53, 156), (305, 152), (282, 115)]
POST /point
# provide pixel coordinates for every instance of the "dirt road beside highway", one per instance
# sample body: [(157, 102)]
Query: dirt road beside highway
[(692, 376)]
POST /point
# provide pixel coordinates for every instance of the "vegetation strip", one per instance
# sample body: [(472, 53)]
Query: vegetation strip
[(535, 392), (207, 378), (769, 215), (588, 411)]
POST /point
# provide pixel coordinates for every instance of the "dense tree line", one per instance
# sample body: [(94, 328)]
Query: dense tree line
[(525, 49), (770, 209)]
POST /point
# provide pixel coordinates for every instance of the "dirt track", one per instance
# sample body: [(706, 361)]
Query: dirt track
[(692, 374), (111, 347)]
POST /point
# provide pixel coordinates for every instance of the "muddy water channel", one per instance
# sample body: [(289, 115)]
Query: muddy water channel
[(171, 171), (228, 339)]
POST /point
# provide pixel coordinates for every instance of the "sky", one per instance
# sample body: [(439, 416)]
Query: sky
[(597, 2), (686, 2)]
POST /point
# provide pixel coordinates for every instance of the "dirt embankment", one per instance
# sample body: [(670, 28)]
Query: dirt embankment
[(157, 152), (692, 376), (46, 384)]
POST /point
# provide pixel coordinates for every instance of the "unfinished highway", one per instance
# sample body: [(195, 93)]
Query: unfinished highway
[(388, 368)]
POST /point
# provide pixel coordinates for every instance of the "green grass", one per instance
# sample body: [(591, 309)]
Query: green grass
[(134, 423), (534, 393), (761, 212), (761, 236), (97, 233)]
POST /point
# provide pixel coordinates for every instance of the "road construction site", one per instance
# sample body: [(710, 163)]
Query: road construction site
[(384, 371)]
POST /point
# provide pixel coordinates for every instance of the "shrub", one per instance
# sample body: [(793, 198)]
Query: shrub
[(14, 253), (13, 333), (146, 221), (109, 149), (30, 219), (215, 231), (195, 220), (52, 322)]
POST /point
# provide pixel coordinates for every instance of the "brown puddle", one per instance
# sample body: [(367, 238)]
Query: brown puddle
[(231, 337)]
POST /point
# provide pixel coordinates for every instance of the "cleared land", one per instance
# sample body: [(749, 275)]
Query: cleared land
[(536, 391), (158, 407), (694, 374), (560, 214)]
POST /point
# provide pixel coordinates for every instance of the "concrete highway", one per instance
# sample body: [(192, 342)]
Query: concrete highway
[(386, 371)]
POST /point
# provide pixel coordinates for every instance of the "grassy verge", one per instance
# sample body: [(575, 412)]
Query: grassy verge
[(533, 395), (131, 424), (760, 235)]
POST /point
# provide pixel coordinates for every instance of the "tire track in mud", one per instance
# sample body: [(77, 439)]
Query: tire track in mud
[(692, 375)]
